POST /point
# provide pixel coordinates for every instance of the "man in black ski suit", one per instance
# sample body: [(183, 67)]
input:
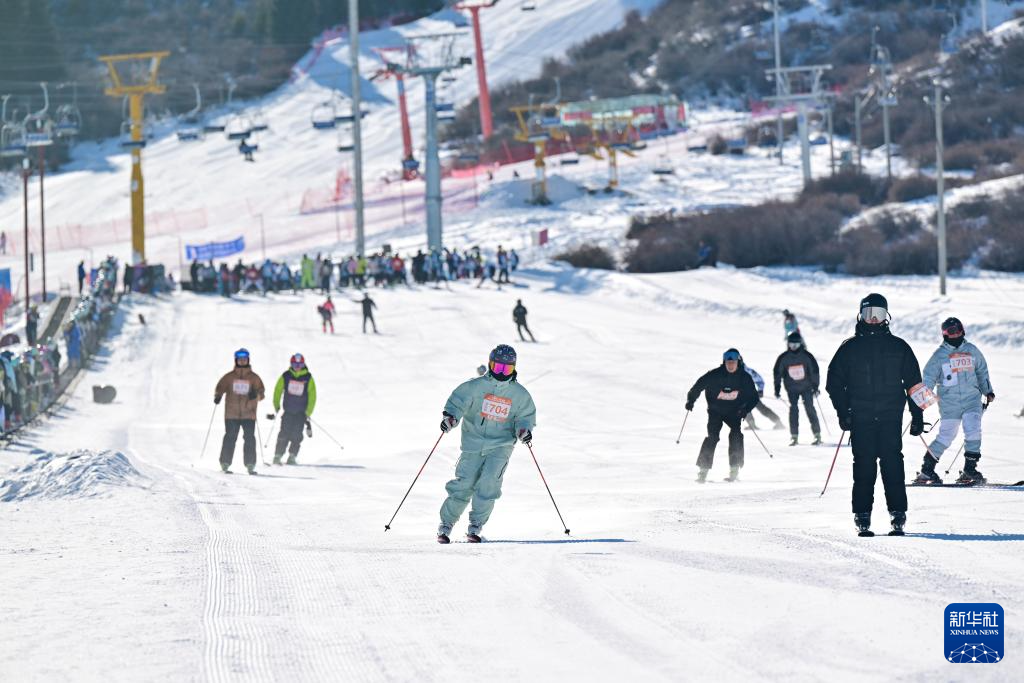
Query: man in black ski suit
[(731, 394), (368, 306), (869, 381), (798, 369), (519, 316)]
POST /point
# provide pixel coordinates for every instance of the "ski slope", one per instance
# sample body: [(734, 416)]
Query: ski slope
[(175, 571)]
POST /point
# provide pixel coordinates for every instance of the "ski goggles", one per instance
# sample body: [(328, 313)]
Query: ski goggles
[(953, 330), (869, 313), (731, 355), (502, 368), (793, 346)]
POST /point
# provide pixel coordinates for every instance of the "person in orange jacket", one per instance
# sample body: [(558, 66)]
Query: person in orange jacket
[(244, 390)]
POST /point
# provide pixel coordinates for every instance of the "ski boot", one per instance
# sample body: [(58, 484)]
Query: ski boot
[(734, 474), (473, 535), (863, 522), (442, 534), (251, 470), (224, 467), (277, 458), (290, 460), (817, 439), (927, 475), (898, 520), (970, 476), (702, 476), (793, 440)]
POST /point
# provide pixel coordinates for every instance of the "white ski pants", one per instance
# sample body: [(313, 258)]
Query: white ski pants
[(948, 429)]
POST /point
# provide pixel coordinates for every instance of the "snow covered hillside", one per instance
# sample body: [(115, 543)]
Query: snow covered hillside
[(192, 574)]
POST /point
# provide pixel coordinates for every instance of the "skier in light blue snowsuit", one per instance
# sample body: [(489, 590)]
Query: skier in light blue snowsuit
[(959, 370), (495, 411)]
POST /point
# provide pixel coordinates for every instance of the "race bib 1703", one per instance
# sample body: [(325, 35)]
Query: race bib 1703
[(240, 387), (796, 372), (961, 362), (296, 388), (496, 408), (922, 395)]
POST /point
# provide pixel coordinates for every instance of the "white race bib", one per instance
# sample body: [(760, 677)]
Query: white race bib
[(949, 376), (296, 388), (240, 387), (922, 396), (961, 362), (728, 395), (496, 408), (796, 372)]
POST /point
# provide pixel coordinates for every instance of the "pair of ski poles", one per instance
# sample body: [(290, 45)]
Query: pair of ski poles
[(209, 429), (270, 436), (753, 431), (387, 526)]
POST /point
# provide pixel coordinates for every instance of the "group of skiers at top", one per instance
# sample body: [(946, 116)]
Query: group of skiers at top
[(871, 378)]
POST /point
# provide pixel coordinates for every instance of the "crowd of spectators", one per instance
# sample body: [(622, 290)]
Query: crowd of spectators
[(381, 269)]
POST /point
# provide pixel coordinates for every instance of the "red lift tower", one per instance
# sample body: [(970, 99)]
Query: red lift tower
[(474, 7), (410, 167)]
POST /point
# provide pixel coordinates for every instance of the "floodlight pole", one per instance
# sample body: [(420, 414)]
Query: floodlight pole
[(984, 16), (433, 163), (26, 172), (940, 187), (778, 82), (357, 114)]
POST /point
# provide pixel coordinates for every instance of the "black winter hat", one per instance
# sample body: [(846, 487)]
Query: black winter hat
[(874, 299), (794, 338)]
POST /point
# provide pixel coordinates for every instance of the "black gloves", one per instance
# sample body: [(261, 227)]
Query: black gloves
[(216, 400), (526, 437), (689, 406), (917, 424), (253, 393), (309, 428), (845, 420), (448, 423)]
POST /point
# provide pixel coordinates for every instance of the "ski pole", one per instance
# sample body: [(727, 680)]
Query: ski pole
[(320, 427), (208, 430), (270, 436), (387, 526), (955, 457), (823, 420), (685, 418), (259, 437), (754, 432), (564, 527), (834, 457)]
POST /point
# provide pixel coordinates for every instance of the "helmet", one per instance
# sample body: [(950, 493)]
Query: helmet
[(731, 354), (952, 327), (502, 362), (241, 353), (298, 361), (794, 341), (874, 306)]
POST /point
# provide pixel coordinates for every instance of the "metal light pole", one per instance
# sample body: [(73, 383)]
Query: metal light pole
[(857, 105), (42, 213), (26, 171), (940, 181), (984, 16), (357, 115), (433, 165), (778, 80)]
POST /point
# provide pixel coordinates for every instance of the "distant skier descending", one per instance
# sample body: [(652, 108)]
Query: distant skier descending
[(519, 316), (870, 380), (730, 393), (296, 393), (960, 371), (789, 324), (495, 411), (244, 390), (326, 311), (368, 305), (798, 370)]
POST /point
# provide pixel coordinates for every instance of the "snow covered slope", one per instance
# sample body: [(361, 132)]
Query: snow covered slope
[(290, 575)]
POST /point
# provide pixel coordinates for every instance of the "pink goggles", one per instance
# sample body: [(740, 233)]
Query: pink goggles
[(503, 368)]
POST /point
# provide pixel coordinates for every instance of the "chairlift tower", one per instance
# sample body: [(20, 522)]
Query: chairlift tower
[(474, 7), (881, 69), (134, 76), (428, 56), (357, 126), (409, 164), (802, 86)]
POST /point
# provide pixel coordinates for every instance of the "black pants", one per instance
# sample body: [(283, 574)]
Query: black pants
[(291, 432), (227, 449), (878, 441), (369, 316), (707, 449), (523, 326), (794, 411)]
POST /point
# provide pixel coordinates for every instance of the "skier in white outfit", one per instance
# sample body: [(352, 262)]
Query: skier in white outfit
[(959, 370)]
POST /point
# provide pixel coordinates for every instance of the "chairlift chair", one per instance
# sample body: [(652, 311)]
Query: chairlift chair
[(346, 143), (445, 111), (664, 166), (258, 122), (216, 125), (69, 121), (12, 140), (528, 6), (190, 130), (38, 132), (126, 137), (324, 116), (238, 128)]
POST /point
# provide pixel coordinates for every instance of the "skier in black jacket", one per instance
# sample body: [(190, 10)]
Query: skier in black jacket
[(798, 369), (519, 316), (870, 380), (731, 395)]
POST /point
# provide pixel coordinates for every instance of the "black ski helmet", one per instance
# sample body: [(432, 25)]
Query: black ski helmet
[(953, 332), (874, 300), (795, 338), (503, 355)]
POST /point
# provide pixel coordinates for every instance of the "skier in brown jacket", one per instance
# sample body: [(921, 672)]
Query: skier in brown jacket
[(244, 390)]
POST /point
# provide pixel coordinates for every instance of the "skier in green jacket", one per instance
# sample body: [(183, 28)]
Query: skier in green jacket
[(495, 410), (296, 393)]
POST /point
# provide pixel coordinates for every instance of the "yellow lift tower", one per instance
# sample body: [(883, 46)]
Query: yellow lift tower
[(539, 123), (134, 76)]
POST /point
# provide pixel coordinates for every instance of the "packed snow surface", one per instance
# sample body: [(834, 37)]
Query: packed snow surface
[(290, 574), (77, 474)]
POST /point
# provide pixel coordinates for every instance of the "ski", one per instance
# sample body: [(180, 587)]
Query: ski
[(957, 485), (867, 533)]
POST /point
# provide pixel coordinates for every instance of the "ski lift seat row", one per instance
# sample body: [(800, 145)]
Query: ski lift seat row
[(126, 137)]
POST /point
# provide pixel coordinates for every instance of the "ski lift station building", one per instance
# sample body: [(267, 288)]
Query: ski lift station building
[(649, 115)]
